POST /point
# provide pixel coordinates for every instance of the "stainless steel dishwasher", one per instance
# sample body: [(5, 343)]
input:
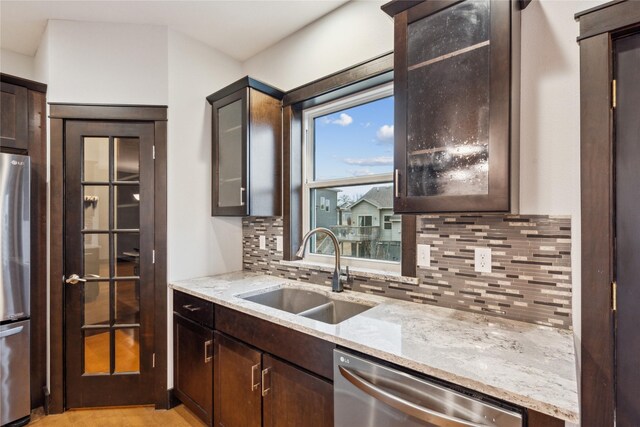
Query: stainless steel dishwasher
[(368, 394)]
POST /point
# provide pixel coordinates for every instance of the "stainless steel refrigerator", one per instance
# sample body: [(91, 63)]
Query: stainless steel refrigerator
[(15, 263)]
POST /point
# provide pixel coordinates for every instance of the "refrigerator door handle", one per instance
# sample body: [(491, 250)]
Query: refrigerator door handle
[(9, 332)]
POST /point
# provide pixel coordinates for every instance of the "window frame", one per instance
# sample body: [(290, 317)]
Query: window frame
[(309, 183)]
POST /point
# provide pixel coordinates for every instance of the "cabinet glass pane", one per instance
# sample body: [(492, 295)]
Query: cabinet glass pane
[(127, 295), (127, 350), (96, 159), (453, 29), (448, 142), (95, 204), (230, 154), (126, 159), (126, 214), (127, 254), (96, 303), (96, 255), (96, 351)]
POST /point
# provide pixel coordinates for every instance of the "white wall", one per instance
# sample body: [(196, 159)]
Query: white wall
[(352, 33), (103, 63), (199, 244), (16, 64)]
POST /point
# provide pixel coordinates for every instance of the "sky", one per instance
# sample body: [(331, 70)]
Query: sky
[(357, 141)]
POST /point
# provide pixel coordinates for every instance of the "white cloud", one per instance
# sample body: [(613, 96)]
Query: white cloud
[(344, 120), (385, 132), (370, 161), (360, 172)]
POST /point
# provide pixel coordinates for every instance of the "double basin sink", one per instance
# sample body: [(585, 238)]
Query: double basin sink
[(309, 304)]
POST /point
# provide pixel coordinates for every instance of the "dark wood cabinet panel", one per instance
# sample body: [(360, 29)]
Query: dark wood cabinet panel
[(14, 118), (246, 150), (310, 353), (193, 367), (295, 398), (456, 83), (193, 308), (237, 389)]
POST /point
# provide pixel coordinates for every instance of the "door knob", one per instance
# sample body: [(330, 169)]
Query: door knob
[(74, 278)]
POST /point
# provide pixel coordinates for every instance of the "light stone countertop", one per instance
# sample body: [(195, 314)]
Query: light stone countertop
[(525, 364)]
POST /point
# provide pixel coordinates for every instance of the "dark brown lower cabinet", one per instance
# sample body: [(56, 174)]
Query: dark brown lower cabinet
[(193, 366), (294, 397), (254, 389)]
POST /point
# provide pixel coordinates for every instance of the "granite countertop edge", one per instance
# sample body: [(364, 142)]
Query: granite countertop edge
[(223, 290)]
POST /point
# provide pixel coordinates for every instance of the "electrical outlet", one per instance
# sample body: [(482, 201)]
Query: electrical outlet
[(279, 243), (424, 256), (483, 260), (263, 242)]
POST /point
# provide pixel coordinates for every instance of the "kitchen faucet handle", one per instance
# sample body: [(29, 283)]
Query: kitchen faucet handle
[(348, 277)]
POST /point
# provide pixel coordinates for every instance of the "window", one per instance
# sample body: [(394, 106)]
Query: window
[(348, 188)]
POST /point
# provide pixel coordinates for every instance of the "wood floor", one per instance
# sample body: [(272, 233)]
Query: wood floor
[(119, 417)]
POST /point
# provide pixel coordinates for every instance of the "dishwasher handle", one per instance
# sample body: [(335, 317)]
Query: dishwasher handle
[(404, 405)]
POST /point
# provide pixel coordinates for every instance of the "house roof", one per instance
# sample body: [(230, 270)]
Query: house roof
[(380, 197)]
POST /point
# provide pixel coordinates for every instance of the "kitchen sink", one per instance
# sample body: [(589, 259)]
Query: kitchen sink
[(335, 311), (309, 304)]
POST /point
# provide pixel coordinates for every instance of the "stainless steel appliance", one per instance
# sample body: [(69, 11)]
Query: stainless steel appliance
[(369, 394), (15, 402)]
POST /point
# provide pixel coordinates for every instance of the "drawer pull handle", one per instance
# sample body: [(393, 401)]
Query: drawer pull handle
[(191, 308), (265, 372), (254, 370), (207, 351)]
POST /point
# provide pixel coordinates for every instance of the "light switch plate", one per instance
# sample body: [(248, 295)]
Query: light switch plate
[(279, 243), (483, 260), (424, 256), (263, 242)]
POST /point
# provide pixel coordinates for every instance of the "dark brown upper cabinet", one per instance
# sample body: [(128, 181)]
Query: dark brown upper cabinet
[(14, 127), (456, 88), (247, 150)]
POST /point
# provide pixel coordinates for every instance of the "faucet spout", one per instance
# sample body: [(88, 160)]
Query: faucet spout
[(336, 283)]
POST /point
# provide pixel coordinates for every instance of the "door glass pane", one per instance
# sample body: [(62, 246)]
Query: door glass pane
[(96, 303), (127, 254), (127, 350), (127, 209), (96, 255), (96, 351), (96, 159), (230, 154), (127, 159), (127, 295), (448, 142), (95, 204)]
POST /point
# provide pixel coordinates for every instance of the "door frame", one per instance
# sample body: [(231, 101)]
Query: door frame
[(58, 114), (598, 27)]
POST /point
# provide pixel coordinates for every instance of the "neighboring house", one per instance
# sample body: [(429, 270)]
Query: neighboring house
[(372, 229), (326, 210)]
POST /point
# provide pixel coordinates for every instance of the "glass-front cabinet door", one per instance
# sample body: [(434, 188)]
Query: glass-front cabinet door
[(453, 94), (230, 155)]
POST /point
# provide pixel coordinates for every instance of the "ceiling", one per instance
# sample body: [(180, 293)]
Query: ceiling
[(239, 28)]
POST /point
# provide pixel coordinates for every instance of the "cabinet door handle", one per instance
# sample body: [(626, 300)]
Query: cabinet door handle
[(242, 190), (191, 308), (396, 179), (265, 372), (207, 351), (254, 371)]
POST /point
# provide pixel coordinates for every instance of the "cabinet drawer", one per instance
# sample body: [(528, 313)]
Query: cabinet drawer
[(193, 308)]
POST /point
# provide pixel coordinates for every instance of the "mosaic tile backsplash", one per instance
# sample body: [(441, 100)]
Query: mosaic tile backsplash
[(531, 265)]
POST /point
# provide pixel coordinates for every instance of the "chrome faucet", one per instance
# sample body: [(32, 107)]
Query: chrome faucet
[(336, 282)]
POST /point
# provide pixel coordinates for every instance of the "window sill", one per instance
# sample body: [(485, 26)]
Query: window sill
[(357, 271)]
